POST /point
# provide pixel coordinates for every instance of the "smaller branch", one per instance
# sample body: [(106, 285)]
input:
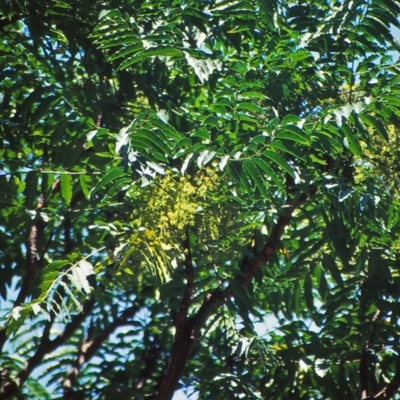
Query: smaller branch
[(46, 346), (32, 258), (150, 364), (364, 362), (68, 172), (188, 294), (184, 338), (32, 262), (99, 120), (90, 346), (10, 20), (249, 269), (364, 372), (391, 388)]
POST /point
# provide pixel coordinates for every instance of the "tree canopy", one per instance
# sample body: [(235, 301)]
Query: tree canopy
[(174, 172)]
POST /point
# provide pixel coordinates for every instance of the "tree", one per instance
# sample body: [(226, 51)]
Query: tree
[(173, 172)]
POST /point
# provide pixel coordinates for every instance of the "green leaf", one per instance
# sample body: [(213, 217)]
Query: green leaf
[(79, 274), (288, 298), (269, 11), (280, 161), (252, 95), (110, 176), (255, 176), (83, 180), (66, 187), (329, 264), (50, 275), (164, 51), (109, 14), (292, 132), (322, 283), (297, 299), (352, 140), (308, 288), (71, 296), (269, 172), (134, 45), (151, 141), (278, 144), (249, 107), (201, 133), (370, 120), (44, 107)]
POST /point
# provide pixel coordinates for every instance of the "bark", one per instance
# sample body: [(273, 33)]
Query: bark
[(391, 388)]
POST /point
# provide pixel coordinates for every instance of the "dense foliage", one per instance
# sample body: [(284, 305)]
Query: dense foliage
[(172, 172)]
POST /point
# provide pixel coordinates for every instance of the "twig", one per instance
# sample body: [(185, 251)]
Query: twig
[(150, 364), (90, 346), (10, 20), (391, 388), (364, 362), (364, 371), (188, 294)]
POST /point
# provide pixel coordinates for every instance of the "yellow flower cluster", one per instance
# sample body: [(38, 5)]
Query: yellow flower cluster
[(175, 202), (169, 205)]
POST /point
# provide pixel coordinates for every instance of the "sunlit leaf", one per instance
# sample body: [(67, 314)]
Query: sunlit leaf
[(66, 187)]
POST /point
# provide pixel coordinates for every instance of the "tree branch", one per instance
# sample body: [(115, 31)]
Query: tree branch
[(364, 367), (32, 262), (32, 266), (364, 371), (32, 259), (186, 336), (251, 266), (183, 338), (392, 387), (188, 294), (10, 20), (46, 346), (90, 346), (365, 360), (150, 364)]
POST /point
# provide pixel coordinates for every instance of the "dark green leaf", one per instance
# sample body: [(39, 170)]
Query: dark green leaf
[(280, 161), (112, 174), (269, 172), (30, 191), (255, 176), (329, 264), (292, 132), (370, 120), (308, 288)]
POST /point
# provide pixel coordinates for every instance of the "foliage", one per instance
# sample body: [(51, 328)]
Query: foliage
[(174, 172)]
